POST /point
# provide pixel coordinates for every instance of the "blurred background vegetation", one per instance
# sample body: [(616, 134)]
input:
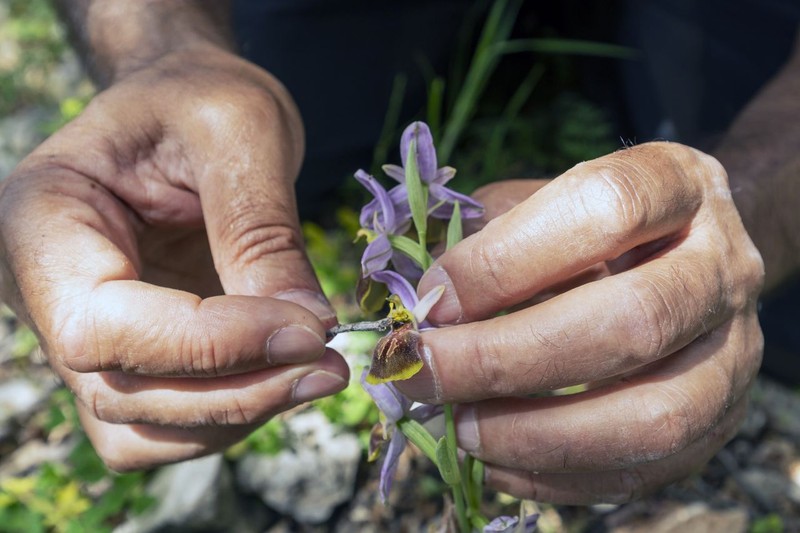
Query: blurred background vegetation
[(502, 121)]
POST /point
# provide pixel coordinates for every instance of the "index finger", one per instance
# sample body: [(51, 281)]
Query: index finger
[(71, 253), (595, 212)]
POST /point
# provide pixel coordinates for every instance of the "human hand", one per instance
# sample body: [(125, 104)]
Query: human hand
[(631, 273), (119, 235)]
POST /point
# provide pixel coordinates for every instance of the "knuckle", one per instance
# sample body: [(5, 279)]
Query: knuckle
[(239, 108), (489, 263), (711, 166), (199, 354), (666, 424), (252, 238), (71, 346), (489, 372), (630, 485), (753, 271), (647, 321), (233, 413), (609, 194), (89, 393)]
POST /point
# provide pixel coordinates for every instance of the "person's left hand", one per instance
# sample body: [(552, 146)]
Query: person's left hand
[(632, 273)]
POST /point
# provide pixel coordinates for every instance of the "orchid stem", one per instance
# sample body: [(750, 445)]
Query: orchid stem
[(458, 488), (426, 257)]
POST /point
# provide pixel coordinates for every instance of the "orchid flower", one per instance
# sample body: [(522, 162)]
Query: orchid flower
[(393, 263), (441, 199), (398, 355), (379, 220), (393, 406), (400, 286), (512, 524)]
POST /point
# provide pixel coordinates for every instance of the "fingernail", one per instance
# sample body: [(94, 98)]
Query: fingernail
[(469, 438), (448, 309), (313, 301), (317, 384), (294, 344)]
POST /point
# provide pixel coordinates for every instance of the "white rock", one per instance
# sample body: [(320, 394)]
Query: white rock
[(310, 478)]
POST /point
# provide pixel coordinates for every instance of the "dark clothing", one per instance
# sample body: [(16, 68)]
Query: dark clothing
[(701, 62), (339, 58)]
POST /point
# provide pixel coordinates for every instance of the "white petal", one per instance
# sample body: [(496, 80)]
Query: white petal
[(426, 303)]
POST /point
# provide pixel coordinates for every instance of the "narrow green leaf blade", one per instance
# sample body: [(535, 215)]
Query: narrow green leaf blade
[(417, 195), (455, 231), (411, 249), (448, 464)]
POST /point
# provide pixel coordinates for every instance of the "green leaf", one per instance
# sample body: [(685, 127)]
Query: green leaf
[(496, 30), (566, 46), (435, 100), (455, 232), (448, 464), (417, 195), (419, 436), (411, 249)]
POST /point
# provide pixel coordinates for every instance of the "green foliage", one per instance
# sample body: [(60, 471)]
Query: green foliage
[(68, 109), (24, 341), (771, 523), (56, 499), (35, 44), (331, 253), (269, 439), (548, 138), (78, 495), (352, 408)]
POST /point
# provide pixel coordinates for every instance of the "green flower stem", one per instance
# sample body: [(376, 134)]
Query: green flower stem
[(418, 435), (458, 489)]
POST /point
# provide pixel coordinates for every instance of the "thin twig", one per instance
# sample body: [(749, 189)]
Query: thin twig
[(378, 325)]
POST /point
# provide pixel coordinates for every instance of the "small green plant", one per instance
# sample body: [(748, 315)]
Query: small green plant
[(78, 495), (269, 439), (326, 249), (55, 498), (771, 523)]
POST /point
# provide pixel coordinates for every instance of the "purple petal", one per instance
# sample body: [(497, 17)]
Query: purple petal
[(530, 522), (444, 174), (389, 467), (390, 401), (510, 524), (501, 524), (382, 205), (424, 412), (469, 208), (395, 172), (376, 256), (402, 211), (398, 285), (406, 267), (426, 153)]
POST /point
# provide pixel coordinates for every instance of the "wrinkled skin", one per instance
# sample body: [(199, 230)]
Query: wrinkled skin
[(153, 245), (631, 273)]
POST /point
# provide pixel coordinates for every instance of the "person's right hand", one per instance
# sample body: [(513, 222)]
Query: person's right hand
[(119, 235)]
